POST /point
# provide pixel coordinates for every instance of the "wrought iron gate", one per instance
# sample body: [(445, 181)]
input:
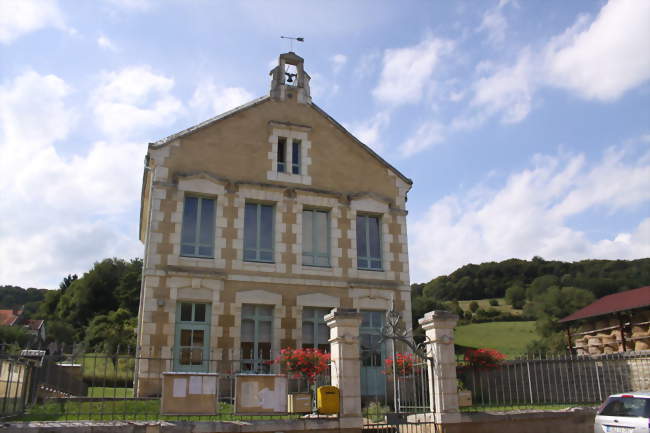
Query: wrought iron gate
[(406, 405)]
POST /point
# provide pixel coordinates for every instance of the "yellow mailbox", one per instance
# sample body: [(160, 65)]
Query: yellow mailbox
[(327, 400)]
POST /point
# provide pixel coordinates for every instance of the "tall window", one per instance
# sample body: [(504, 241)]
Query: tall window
[(192, 337), (315, 332), (197, 234), (258, 232), (368, 242), (295, 157), (315, 238), (282, 154), (256, 332)]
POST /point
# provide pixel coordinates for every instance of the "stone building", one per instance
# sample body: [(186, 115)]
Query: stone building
[(258, 222)]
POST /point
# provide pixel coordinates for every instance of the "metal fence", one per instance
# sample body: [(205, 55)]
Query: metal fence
[(15, 376), (546, 381), (96, 386)]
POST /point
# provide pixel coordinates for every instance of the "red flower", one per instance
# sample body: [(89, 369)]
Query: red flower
[(483, 358), (307, 363), (404, 364)]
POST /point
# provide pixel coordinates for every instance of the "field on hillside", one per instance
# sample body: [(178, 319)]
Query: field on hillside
[(509, 338), (485, 304)]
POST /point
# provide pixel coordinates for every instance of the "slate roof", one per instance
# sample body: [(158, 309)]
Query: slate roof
[(623, 301)]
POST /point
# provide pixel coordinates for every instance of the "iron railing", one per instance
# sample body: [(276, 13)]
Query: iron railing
[(548, 381), (96, 386)]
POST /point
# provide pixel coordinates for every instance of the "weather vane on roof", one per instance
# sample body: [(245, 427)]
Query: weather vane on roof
[(291, 39)]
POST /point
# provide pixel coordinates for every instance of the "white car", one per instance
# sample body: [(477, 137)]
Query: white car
[(624, 413)]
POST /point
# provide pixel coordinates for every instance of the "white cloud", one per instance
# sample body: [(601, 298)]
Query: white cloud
[(106, 43), (59, 213), (19, 17), (495, 25), (529, 214), (596, 59), (369, 131), (408, 71), (609, 57), (210, 100), (508, 91), (338, 61), (134, 99), (428, 134)]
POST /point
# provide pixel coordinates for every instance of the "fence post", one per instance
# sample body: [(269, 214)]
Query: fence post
[(346, 366), (443, 387)]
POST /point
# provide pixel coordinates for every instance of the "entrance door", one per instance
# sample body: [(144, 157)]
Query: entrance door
[(373, 380)]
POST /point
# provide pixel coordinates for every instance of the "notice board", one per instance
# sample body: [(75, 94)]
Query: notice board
[(189, 393), (260, 393)]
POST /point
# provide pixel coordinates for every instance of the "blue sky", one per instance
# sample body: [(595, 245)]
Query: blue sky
[(524, 125)]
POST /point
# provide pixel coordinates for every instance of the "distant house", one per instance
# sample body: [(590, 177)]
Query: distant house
[(35, 327), (615, 323)]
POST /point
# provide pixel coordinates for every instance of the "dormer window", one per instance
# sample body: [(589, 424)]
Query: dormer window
[(282, 154)]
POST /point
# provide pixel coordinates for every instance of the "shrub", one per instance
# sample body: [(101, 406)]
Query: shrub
[(494, 302), (483, 358), (473, 306)]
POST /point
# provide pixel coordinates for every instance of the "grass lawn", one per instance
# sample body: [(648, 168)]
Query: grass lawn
[(99, 369), (509, 338), (485, 304), (142, 410), (102, 391), (495, 408)]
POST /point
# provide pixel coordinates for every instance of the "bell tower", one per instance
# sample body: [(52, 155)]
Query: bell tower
[(289, 79)]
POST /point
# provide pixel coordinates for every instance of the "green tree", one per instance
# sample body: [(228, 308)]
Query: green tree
[(516, 296), (111, 333), (60, 332), (92, 294), (127, 292), (14, 335)]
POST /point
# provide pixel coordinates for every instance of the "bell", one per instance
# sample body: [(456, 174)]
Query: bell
[(290, 79)]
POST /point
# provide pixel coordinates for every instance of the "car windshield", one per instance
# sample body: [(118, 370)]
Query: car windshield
[(627, 406)]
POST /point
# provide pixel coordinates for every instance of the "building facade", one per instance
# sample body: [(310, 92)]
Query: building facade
[(258, 222)]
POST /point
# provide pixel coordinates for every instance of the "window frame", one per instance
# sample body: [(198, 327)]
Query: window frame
[(256, 363), (316, 319), (258, 250), (281, 166), (296, 149), (314, 236), (196, 244), (366, 234), (192, 325)]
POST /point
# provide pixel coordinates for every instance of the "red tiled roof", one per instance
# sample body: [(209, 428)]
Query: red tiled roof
[(34, 324), (7, 317), (627, 300)]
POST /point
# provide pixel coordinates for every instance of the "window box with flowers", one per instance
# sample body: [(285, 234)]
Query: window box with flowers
[(307, 364)]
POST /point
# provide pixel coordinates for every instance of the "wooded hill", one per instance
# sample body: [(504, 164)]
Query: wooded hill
[(492, 279)]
